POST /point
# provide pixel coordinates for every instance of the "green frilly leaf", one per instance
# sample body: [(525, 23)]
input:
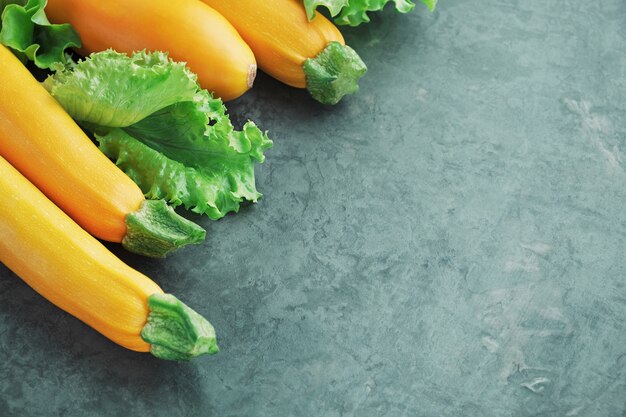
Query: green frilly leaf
[(25, 29), (334, 6), (171, 137), (354, 12)]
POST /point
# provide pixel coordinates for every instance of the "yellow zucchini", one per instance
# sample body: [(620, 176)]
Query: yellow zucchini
[(70, 268), (43, 142), (187, 29), (289, 47)]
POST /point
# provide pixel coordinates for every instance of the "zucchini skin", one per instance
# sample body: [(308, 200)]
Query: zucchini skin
[(69, 267)]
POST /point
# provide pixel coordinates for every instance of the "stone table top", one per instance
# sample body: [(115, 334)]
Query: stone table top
[(448, 242)]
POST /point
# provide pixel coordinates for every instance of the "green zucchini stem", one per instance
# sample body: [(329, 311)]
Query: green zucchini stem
[(175, 332), (156, 229), (333, 73)]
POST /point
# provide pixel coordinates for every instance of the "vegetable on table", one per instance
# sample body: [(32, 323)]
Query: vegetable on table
[(43, 142), (354, 12), (289, 47), (170, 136), (188, 30), (25, 29), (74, 271)]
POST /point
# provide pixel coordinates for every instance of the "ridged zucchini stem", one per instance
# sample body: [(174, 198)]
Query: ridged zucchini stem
[(333, 73), (156, 229), (176, 332)]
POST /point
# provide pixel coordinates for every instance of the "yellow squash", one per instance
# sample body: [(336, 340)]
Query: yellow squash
[(189, 30), (70, 268), (289, 47), (43, 142)]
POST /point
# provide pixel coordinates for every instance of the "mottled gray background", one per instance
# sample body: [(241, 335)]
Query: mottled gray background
[(448, 242)]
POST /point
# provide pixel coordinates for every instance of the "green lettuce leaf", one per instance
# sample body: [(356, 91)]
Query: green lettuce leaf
[(333, 6), (354, 12), (171, 137), (25, 29)]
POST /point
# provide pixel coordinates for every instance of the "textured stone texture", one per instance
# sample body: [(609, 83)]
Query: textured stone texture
[(448, 242)]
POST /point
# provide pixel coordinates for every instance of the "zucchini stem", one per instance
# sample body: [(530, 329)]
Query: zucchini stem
[(252, 69), (176, 332), (156, 229), (333, 73)]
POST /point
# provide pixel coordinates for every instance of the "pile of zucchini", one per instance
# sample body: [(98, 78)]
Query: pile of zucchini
[(150, 93)]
